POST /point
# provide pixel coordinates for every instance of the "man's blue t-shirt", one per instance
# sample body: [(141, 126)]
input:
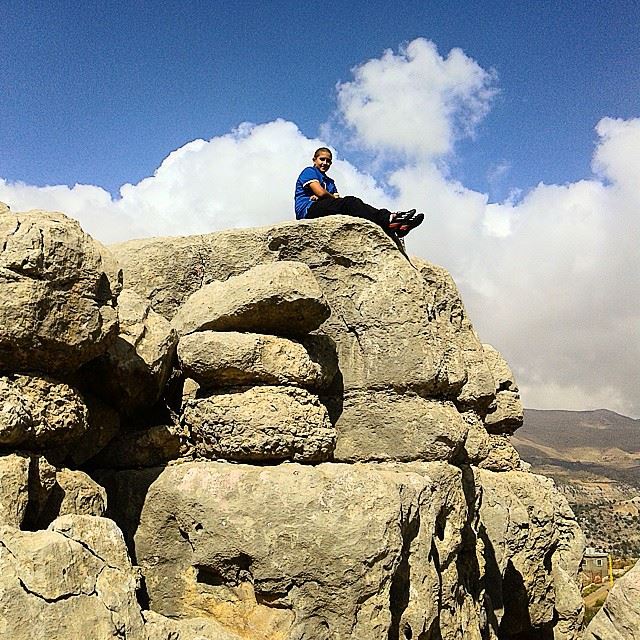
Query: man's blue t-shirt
[(302, 197)]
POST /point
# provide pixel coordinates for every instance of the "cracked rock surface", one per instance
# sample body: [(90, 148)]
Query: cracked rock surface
[(327, 552), (281, 298), (59, 288), (398, 326), (75, 579), (230, 358), (356, 482)]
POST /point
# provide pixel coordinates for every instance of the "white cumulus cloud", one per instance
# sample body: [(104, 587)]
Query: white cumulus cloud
[(416, 102)]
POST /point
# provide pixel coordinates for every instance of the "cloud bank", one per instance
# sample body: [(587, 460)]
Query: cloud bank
[(551, 279)]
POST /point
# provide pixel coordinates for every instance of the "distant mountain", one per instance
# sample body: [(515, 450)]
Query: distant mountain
[(601, 442), (572, 430), (594, 457)]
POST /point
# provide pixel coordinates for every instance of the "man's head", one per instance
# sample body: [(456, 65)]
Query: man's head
[(322, 159)]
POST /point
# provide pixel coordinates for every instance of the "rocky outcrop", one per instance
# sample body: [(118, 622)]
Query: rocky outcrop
[(14, 489), (297, 431), (619, 617), (533, 547), (59, 293), (333, 551)]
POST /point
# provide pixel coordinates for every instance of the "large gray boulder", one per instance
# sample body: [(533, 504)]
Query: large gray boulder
[(395, 325), (72, 582), (79, 494), (532, 547), (326, 552), (280, 298), (58, 290), (260, 423), (218, 359), (619, 617), (506, 413), (158, 627)]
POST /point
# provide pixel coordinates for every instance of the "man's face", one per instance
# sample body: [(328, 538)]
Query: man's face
[(323, 161)]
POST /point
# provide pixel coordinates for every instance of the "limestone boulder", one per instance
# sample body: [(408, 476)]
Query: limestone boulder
[(71, 582), (135, 368), (505, 414), (219, 359), (58, 290), (4, 208), (260, 423), (532, 547), (280, 298), (395, 325), (14, 489), (388, 426), (290, 551), (40, 412), (488, 451), (619, 617), (463, 362)]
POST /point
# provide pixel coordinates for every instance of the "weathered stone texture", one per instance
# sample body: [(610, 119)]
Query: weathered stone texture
[(59, 288), (260, 423), (532, 548), (399, 327), (158, 627), (505, 413), (38, 412), (281, 298), (71, 582), (394, 325), (216, 359), (14, 489), (80, 495), (319, 552), (385, 425)]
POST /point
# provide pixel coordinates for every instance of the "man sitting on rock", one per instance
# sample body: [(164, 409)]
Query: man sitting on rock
[(316, 196)]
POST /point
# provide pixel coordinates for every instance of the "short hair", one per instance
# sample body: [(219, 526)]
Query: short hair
[(320, 149)]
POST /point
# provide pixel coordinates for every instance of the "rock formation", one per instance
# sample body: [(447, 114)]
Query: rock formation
[(295, 429)]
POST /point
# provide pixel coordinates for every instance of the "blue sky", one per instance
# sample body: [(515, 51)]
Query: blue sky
[(515, 126), (101, 93)]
